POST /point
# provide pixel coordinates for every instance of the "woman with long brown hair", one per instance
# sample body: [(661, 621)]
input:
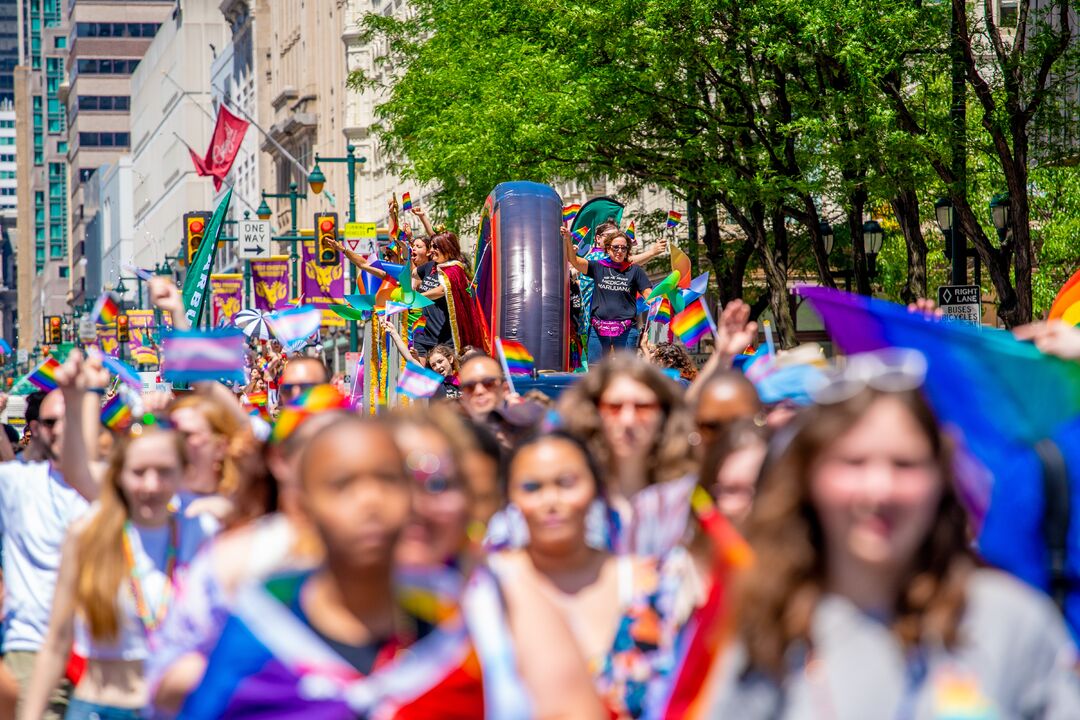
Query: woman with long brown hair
[(119, 569), (864, 599), (632, 419)]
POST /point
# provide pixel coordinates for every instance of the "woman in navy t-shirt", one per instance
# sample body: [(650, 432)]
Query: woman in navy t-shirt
[(617, 283)]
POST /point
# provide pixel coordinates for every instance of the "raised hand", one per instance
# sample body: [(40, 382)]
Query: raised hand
[(925, 306), (1053, 337), (165, 295)]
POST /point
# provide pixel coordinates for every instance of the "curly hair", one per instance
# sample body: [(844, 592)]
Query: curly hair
[(675, 357), (670, 456), (775, 600)]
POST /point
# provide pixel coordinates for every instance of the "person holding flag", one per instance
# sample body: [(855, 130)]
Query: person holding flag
[(617, 283)]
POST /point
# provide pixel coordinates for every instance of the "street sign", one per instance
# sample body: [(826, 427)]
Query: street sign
[(961, 302), (87, 329), (361, 237), (254, 239)]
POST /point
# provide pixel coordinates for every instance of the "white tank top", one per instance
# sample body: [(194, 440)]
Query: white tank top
[(150, 550)]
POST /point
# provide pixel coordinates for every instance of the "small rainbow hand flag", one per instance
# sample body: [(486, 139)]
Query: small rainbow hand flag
[(418, 324), (660, 311), (518, 358), (115, 414), (569, 212), (418, 382), (258, 399), (105, 310), (581, 233), (673, 218), (631, 233), (44, 375), (693, 323), (406, 202)]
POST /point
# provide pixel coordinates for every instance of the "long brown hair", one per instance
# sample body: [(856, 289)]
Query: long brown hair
[(670, 457), (775, 600), (102, 566)]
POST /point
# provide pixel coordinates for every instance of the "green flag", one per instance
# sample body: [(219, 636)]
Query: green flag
[(197, 284)]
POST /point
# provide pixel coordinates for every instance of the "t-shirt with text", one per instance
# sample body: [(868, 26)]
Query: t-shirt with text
[(615, 292)]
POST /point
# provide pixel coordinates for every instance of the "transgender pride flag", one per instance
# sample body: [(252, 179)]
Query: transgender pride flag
[(194, 355), (418, 382)]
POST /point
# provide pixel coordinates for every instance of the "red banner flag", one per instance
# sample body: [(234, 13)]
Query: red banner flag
[(225, 144)]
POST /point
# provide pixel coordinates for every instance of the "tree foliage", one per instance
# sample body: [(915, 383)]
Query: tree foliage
[(775, 114)]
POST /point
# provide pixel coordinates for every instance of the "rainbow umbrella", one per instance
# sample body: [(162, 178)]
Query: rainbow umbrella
[(1006, 402)]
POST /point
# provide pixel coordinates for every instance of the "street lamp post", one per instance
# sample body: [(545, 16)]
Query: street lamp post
[(263, 213), (999, 211), (873, 239), (316, 180)]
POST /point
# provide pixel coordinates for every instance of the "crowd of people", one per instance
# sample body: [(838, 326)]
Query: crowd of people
[(658, 541)]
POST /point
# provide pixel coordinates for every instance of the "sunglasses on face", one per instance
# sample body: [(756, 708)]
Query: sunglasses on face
[(614, 409), (488, 383), (619, 248)]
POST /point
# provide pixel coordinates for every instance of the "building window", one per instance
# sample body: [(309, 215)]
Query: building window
[(105, 66), (104, 139), (59, 42), (86, 173), (103, 102), (116, 30), (64, 271), (1008, 13), (56, 252)]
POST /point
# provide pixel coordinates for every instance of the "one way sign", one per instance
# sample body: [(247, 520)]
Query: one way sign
[(254, 239)]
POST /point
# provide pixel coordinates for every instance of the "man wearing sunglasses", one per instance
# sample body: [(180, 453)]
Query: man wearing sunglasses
[(300, 374), (36, 508), (483, 387)]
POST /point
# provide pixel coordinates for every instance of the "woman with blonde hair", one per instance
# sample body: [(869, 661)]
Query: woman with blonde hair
[(865, 600), (119, 567)]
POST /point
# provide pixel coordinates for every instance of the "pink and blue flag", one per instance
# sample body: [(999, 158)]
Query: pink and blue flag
[(194, 356), (293, 327), (122, 370), (418, 382)]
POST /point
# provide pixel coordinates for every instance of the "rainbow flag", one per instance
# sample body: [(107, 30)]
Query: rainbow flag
[(320, 398), (693, 323), (418, 382), (1066, 306), (631, 233), (673, 219), (216, 355), (258, 399), (660, 311), (105, 310), (569, 212), (518, 358), (418, 324), (406, 202), (581, 233), (115, 413), (44, 375)]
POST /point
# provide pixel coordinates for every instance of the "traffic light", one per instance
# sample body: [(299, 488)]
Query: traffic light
[(326, 229), (54, 334), (194, 228), (123, 334)]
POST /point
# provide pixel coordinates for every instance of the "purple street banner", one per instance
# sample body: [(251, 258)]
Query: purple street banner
[(322, 286), (141, 347), (106, 339), (226, 298), (270, 278)]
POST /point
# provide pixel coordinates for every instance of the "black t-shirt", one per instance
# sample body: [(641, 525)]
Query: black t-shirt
[(437, 330), (615, 293)]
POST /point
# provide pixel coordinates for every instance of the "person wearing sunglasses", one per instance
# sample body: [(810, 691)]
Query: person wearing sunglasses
[(36, 508), (300, 374), (483, 387), (864, 599), (616, 284)]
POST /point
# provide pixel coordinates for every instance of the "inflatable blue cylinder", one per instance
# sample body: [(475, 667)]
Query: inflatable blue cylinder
[(522, 277)]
